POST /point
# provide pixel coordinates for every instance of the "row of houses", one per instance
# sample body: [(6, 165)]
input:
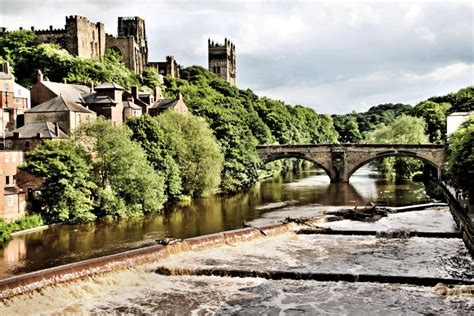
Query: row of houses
[(51, 111)]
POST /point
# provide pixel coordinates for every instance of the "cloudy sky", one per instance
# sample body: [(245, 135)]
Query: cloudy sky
[(334, 56)]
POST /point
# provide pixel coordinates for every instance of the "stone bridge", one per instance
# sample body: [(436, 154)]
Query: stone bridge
[(340, 161)]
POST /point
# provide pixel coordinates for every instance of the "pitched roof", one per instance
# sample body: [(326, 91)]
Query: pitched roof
[(31, 130), (59, 104), (109, 85), (130, 104), (164, 104), (69, 91), (93, 98)]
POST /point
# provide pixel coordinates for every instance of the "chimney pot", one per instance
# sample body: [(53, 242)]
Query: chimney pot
[(135, 92), (39, 76)]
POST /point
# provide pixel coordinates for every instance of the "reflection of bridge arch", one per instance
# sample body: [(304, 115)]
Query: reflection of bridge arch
[(340, 161), (288, 155)]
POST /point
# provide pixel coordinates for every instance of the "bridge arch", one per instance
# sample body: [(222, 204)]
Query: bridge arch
[(297, 155), (400, 153)]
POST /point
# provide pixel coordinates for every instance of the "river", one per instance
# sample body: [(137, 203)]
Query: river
[(145, 290), (70, 243)]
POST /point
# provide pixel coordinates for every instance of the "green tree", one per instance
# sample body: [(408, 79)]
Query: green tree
[(68, 187), (195, 150), (434, 115), (127, 184), (151, 136), (460, 162), (403, 130)]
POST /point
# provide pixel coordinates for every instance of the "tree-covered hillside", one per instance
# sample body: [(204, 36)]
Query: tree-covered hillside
[(239, 119)]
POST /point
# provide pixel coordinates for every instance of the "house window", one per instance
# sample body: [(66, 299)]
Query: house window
[(27, 144), (10, 200), (7, 180)]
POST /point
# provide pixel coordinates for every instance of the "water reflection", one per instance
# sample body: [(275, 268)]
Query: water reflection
[(70, 243)]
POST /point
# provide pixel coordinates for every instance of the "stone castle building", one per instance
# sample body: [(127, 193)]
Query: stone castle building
[(170, 67), (222, 60), (130, 42), (79, 37), (82, 38)]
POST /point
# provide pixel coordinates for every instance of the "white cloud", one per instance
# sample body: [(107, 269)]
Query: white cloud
[(360, 93), (426, 34)]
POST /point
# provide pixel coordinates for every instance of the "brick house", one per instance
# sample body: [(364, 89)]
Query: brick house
[(161, 105), (12, 198)]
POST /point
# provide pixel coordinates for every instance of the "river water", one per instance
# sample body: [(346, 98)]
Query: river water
[(70, 243), (143, 291)]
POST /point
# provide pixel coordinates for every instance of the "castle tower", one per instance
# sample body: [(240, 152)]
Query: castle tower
[(135, 27), (82, 38), (222, 60)]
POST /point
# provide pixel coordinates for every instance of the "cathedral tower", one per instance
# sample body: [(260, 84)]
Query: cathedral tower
[(222, 60)]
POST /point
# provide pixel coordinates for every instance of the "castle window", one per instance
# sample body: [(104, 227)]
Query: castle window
[(218, 69)]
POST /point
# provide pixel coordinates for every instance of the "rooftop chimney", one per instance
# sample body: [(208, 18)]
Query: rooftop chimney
[(64, 80), (39, 76), (158, 94), (180, 96), (135, 92), (92, 86), (6, 67)]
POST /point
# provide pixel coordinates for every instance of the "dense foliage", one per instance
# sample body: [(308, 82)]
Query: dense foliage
[(461, 156), (100, 172), (352, 127), (27, 222), (67, 189), (183, 148), (240, 120)]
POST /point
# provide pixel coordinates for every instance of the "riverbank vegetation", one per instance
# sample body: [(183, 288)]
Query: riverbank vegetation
[(27, 222), (102, 171), (460, 164)]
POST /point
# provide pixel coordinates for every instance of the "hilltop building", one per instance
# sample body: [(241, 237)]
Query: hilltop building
[(170, 67), (82, 38), (222, 60), (162, 105), (130, 42)]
